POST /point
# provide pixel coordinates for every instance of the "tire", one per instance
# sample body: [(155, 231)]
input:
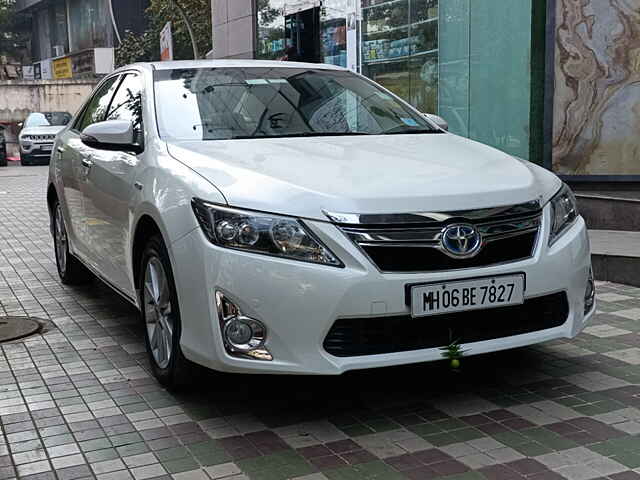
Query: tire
[(161, 316), (3, 159), (70, 269)]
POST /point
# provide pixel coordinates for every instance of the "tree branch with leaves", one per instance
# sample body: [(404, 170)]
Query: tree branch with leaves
[(191, 29)]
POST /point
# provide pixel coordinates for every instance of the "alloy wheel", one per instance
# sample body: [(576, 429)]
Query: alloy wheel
[(157, 305), (60, 235)]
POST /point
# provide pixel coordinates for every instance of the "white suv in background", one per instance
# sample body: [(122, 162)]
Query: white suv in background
[(298, 218), (38, 134)]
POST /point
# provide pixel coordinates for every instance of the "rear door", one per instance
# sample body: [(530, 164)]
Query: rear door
[(73, 156), (109, 189)]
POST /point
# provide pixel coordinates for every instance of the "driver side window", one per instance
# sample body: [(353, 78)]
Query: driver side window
[(127, 105), (96, 109)]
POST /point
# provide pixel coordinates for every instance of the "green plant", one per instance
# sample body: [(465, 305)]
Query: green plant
[(453, 352)]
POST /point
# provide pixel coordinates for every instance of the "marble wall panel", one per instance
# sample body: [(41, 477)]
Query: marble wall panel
[(597, 87)]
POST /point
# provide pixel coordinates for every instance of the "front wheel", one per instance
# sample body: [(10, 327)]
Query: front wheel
[(161, 315), (70, 270)]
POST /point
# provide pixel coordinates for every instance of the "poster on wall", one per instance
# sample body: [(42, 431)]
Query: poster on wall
[(166, 43), (45, 70), (353, 18)]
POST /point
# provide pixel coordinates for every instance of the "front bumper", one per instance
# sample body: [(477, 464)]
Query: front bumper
[(299, 302), (36, 150)]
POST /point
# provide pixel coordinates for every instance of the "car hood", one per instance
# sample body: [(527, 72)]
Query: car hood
[(41, 130), (364, 174)]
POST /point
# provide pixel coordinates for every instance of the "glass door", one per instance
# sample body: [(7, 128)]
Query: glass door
[(302, 36)]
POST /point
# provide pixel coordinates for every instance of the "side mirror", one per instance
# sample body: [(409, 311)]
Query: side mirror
[(439, 121), (114, 135), (20, 125)]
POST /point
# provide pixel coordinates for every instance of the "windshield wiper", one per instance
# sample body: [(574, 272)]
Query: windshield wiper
[(408, 132), (301, 134)]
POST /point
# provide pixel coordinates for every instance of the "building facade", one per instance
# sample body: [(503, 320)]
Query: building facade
[(552, 81), (76, 38)]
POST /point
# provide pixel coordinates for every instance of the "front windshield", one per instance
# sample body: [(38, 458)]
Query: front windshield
[(48, 119), (255, 102)]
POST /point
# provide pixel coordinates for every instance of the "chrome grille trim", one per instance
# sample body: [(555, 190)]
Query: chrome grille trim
[(494, 213), (412, 235), (404, 230)]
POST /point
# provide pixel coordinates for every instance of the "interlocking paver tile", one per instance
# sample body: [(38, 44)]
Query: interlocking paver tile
[(78, 399)]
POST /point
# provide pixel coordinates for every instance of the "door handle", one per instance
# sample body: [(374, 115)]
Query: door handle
[(86, 162)]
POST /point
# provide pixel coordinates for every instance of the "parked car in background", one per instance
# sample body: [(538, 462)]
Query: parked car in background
[(3, 148), (282, 217), (38, 134)]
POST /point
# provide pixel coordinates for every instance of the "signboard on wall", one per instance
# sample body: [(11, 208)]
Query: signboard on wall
[(62, 68), (27, 72), (82, 64), (166, 43)]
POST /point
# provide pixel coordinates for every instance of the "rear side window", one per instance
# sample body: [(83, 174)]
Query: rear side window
[(96, 109)]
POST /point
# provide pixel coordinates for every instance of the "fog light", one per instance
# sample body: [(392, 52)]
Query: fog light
[(243, 336), (238, 332), (590, 293)]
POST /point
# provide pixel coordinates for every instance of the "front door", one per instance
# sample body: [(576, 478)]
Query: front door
[(73, 159), (109, 189)]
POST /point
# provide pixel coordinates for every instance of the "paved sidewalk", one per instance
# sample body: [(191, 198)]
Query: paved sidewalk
[(77, 401)]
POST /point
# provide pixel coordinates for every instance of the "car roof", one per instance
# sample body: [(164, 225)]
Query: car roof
[(233, 64)]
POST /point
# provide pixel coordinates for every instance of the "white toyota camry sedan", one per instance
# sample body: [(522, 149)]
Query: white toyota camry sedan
[(296, 218)]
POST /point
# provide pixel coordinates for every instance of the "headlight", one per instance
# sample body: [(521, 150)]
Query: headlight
[(564, 212), (261, 233)]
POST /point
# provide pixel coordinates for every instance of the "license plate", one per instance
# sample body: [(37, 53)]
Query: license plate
[(46, 148), (472, 294)]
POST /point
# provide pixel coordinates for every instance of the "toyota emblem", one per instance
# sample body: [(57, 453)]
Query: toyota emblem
[(461, 240)]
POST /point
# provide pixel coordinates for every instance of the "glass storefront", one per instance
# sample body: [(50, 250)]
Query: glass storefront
[(467, 61), (333, 27), (400, 48), (271, 35)]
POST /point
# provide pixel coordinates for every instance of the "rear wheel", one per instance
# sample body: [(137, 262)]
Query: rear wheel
[(161, 315), (70, 270)]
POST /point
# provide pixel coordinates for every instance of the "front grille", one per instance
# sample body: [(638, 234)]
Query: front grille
[(40, 138), (45, 138), (350, 337), (420, 259), (412, 242)]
